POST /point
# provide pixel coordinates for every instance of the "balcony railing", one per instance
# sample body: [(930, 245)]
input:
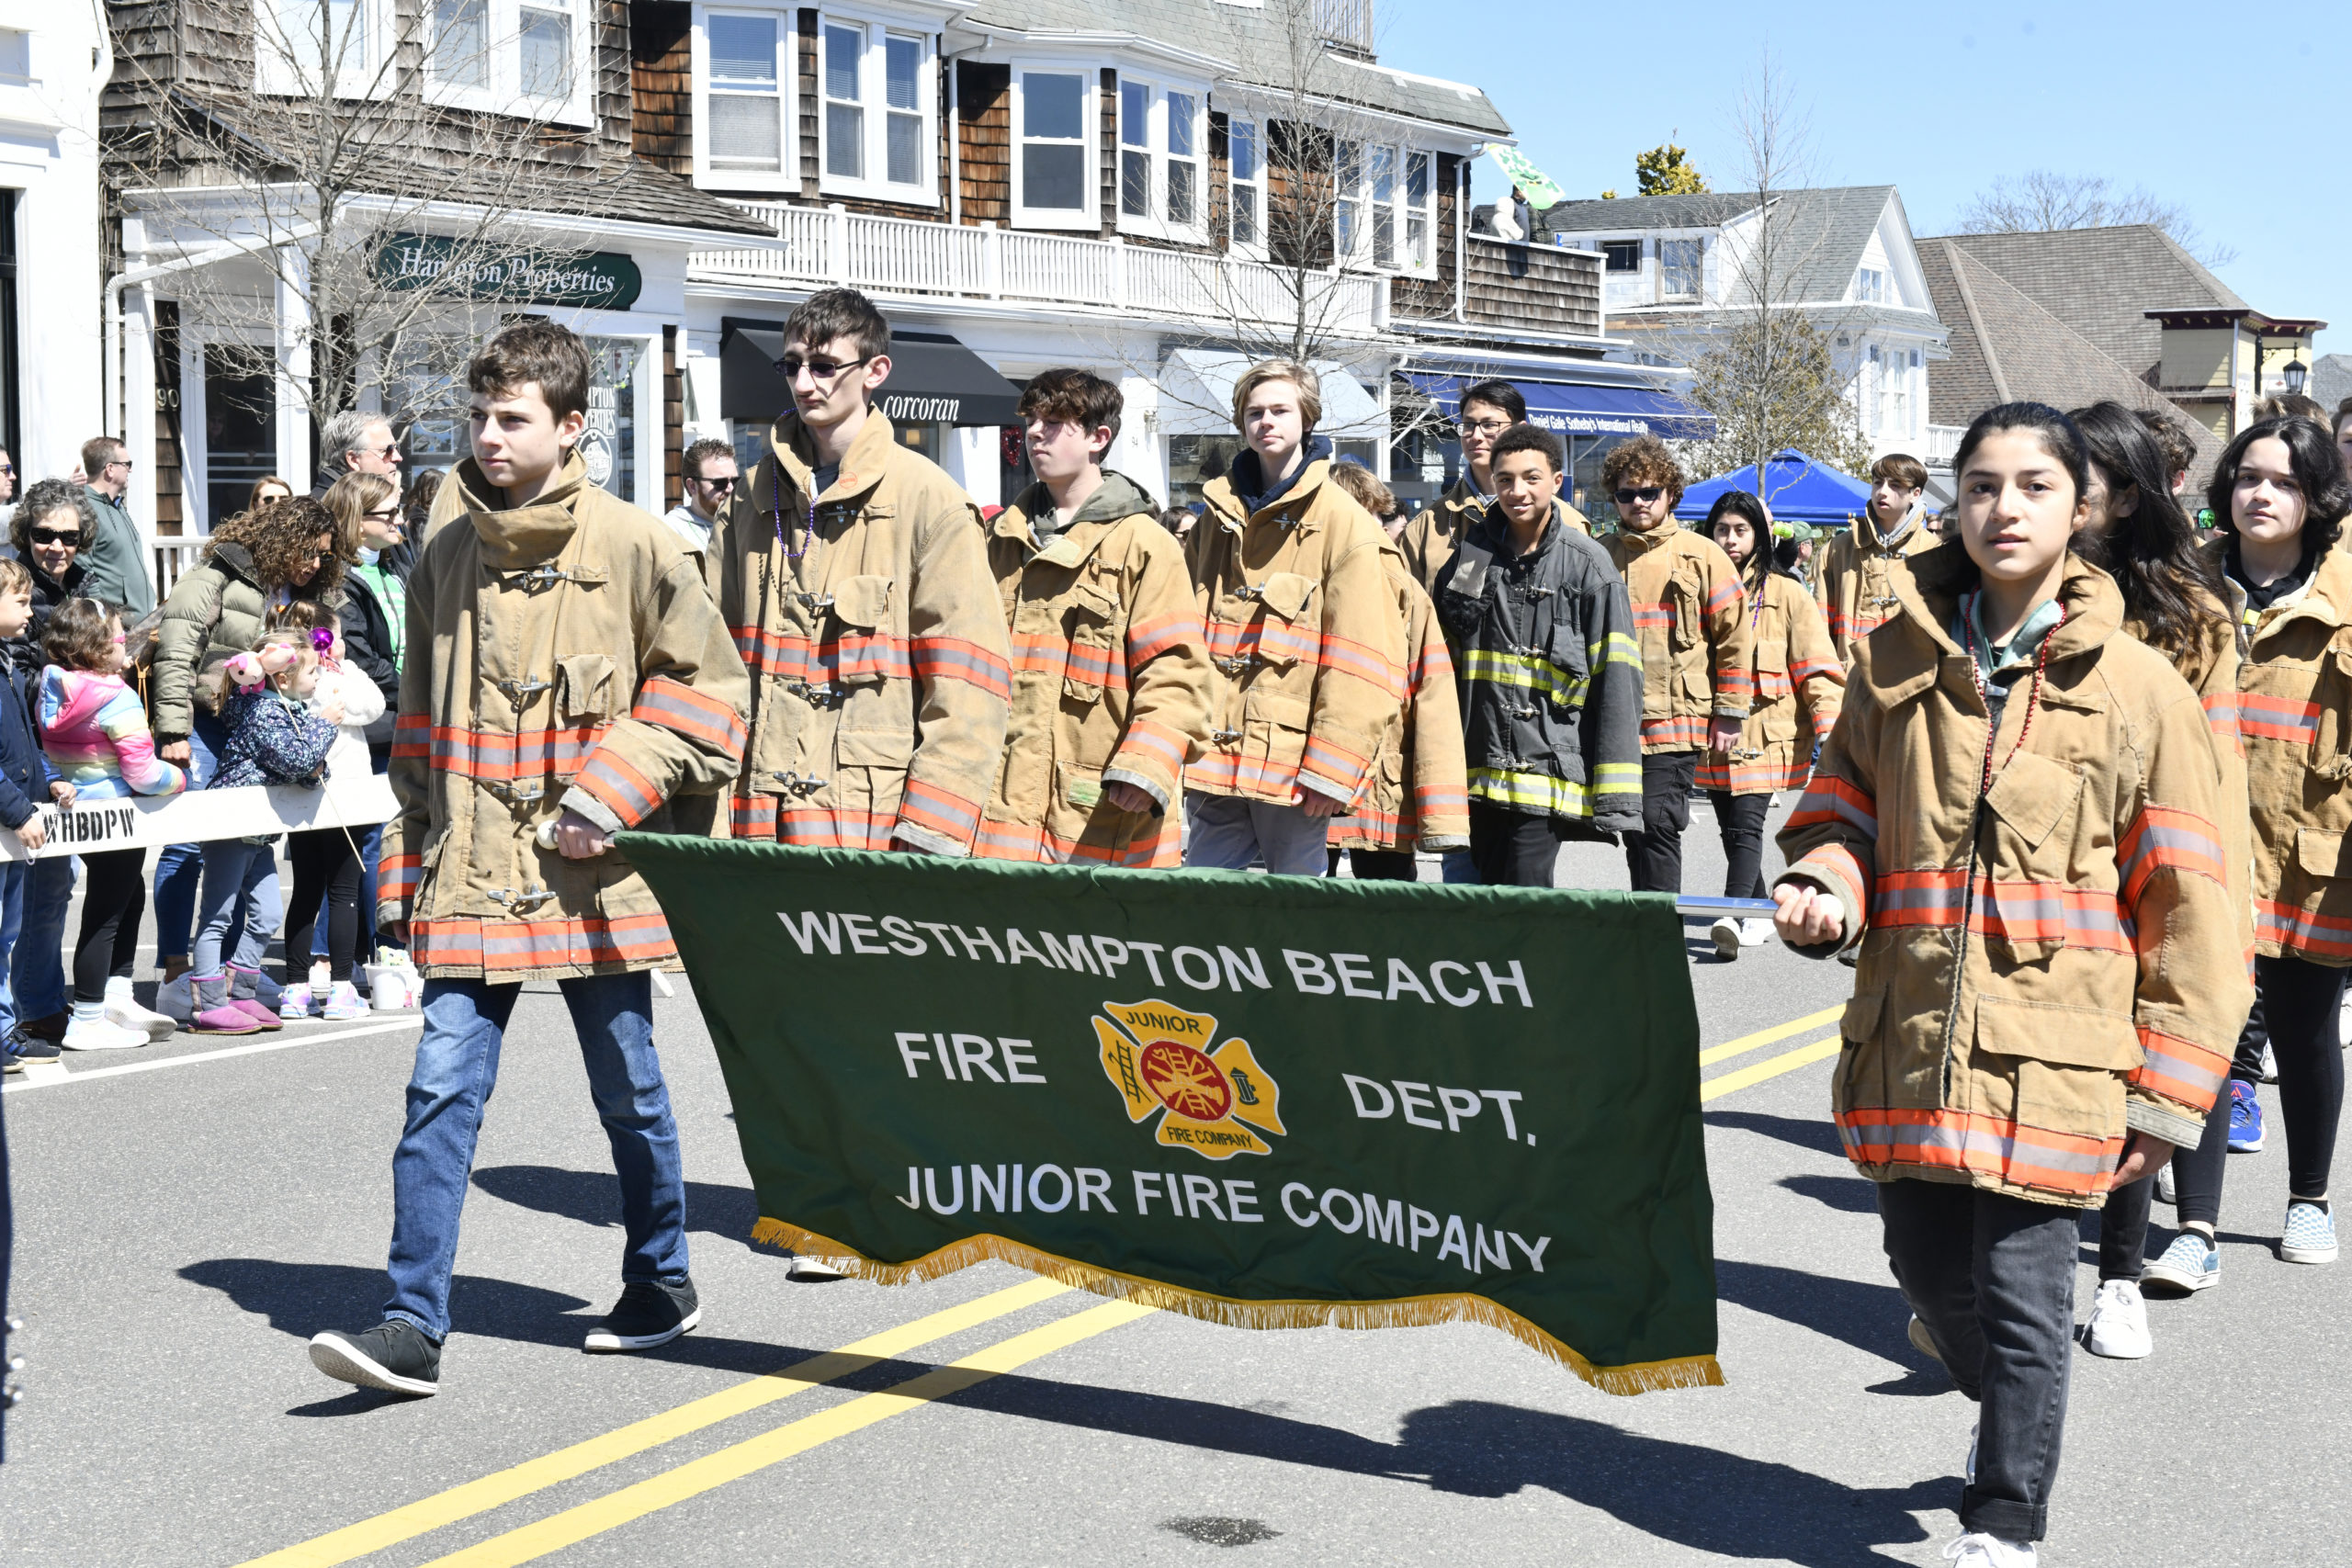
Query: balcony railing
[(1346, 24), (822, 245)]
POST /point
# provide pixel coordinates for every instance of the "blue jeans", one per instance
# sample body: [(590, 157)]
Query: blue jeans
[(13, 879), (179, 869), (457, 1066), (238, 908), (1226, 832), (1459, 869), (37, 966)]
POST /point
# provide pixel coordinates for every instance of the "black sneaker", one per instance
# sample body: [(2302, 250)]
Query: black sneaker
[(394, 1356), (24, 1047), (52, 1029), (649, 1314)]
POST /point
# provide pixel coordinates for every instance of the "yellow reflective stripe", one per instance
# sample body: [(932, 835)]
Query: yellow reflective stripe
[(1525, 671), (1618, 778), (1531, 792), (1616, 647)]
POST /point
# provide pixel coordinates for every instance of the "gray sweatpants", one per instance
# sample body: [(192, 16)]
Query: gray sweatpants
[(1225, 832)]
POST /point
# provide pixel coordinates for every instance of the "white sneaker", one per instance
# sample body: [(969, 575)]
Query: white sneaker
[(2269, 1071), (1755, 932), (1725, 934), (2168, 1188), (123, 1008), (1977, 1550), (101, 1033), (2119, 1323), (807, 1268)]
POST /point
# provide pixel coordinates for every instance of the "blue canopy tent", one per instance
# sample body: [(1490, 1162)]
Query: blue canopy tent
[(1795, 487)]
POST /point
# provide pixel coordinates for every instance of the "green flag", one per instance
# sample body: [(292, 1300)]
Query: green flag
[(1540, 191), (1266, 1101)]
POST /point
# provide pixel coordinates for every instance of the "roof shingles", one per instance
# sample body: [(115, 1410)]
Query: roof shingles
[(2101, 282)]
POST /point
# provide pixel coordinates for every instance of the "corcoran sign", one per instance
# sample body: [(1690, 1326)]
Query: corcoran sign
[(600, 280)]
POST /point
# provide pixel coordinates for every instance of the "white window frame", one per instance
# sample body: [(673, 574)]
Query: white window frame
[(503, 96), (1869, 285), (372, 76), (1257, 187), (1159, 160), (1090, 113), (1364, 201), (786, 177), (873, 95), (1698, 272)]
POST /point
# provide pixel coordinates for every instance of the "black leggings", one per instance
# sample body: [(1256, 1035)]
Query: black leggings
[(323, 863), (114, 896), (2299, 1002), (1654, 855), (1740, 820), (1513, 848)]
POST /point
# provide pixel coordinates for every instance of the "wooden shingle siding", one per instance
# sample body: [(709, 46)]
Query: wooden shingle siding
[(812, 108), (661, 53), (673, 419), (984, 129), (1517, 287), (1107, 165), (1449, 217)]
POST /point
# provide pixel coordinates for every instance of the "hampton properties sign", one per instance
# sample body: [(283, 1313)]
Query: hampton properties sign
[(596, 280)]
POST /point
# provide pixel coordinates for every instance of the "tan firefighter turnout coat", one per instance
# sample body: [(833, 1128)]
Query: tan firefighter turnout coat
[(1798, 677), (1435, 532), (1855, 581), (561, 655), (1110, 682), (2045, 964), (1303, 631), (876, 644), (2210, 665), (1691, 615), (2294, 716), (1419, 790)]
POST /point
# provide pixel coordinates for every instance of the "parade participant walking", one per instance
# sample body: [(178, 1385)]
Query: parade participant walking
[(1417, 792), (1691, 618), (1485, 411), (1309, 648), (2139, 536), (2281, 493), (2015, 820), (1109, 662), (1856, 582), (1797, 672), (53, 525), (1552, 673), (566, 671), (97, 739), (858, 589)]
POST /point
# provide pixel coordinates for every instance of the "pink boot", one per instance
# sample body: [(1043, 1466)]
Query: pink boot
[(265, 1018), (212, 1013)]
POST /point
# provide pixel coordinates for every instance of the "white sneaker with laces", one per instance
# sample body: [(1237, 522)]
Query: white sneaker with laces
[(1755, 932), (123, 1008), (1977, 1550), (1725, 934), (2119, 1323), (101, 1033)]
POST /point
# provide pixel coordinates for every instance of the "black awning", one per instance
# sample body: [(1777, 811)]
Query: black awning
[(933, 380)]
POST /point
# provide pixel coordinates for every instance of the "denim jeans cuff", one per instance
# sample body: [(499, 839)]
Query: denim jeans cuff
[(2003, 1516), (416, 1323)]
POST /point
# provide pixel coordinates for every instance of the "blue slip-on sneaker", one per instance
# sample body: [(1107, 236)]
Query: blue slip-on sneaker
[(2246, 1118), (2310, 1235), (2191, 1263)]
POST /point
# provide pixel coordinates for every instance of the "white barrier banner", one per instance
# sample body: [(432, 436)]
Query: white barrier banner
[(251, 812)]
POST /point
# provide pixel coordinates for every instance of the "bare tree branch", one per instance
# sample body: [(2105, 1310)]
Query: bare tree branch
[(2040, 200)]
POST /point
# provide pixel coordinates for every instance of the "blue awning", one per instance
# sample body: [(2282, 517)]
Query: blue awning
[(1568, 409)]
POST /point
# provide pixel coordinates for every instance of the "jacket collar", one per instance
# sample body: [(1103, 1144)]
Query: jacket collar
[(1868, 534), (2327, 598), (1492, 533), (862, 467), (1116, 500), (1256, 498), (1638, 544), (520, 537), (1910, 663), (233, 558), (1294, 507)]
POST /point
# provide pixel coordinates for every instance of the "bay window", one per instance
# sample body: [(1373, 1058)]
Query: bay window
[(1162, 131), (1386, 207), (1245, 184), (743, 125), (877, 89), (1053, 168)]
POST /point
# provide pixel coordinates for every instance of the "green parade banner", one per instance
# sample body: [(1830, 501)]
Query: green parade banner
[(1264, 1101)]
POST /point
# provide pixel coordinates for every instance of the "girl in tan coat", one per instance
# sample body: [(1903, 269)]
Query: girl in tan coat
[(2017, 817)]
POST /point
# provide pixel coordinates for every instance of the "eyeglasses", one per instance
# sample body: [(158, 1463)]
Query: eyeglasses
[(724, 482), (791, 366), (1487, 427), (55, 536), (1643, 496)]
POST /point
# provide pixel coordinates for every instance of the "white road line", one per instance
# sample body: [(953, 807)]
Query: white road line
[(50, 1080)]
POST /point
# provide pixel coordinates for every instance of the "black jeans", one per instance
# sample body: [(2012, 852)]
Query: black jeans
[(1654, 855), (1513, 848), (323, 864), (1739, 818), (1993, 1278), (114, 896), (2299, 1004), (2123, 1229)]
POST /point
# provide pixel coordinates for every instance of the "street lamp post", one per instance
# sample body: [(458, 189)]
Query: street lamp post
[(2295, 376)]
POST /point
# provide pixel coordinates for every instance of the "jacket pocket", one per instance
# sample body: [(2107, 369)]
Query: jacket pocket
[(584, 683), (2321, 854), (874, 748), (2066, 1068), (1286, 593), (1858, 1025), (1572, 663), (862, 601), (2032, 797), (862, 605), (1093, 643)]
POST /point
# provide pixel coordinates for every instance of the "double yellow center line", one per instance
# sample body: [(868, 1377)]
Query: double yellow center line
[(1771, 1067)]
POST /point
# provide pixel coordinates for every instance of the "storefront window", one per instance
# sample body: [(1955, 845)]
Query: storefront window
[(609, 446)]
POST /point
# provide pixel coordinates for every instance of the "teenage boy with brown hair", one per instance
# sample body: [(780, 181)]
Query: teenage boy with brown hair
[(1485, 411), (857, 581), (566, 672), (1304, 632), (1690, 617), (1856, 588), (1109, 662)]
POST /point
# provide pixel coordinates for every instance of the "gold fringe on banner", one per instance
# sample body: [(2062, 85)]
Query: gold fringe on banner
[(1409, 1312)]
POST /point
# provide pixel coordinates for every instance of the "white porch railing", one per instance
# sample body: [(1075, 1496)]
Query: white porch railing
[(1943, 444), (824, 245), (174, 558)]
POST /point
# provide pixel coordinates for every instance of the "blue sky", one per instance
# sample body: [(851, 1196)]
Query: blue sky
[(1938, 100)]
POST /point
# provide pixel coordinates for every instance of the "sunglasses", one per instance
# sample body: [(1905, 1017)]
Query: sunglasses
[(1643, 496), (791, 366), (725, 483), (387, 514), (9, 470), (55, 536)]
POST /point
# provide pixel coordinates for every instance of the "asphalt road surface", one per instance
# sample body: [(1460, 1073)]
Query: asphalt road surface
[(188, 1217)]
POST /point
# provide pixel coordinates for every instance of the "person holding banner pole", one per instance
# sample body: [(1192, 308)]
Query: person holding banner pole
[(566, 678), (2017, 823)]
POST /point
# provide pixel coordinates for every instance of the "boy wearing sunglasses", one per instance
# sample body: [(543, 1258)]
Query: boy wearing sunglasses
[(856, 576), (1690, 617), (710, 485)]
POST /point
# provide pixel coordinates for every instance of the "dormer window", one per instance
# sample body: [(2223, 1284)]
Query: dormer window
[(1385, 210), (1869, 285), (1620, 255), (1681, 266), (303, 49)]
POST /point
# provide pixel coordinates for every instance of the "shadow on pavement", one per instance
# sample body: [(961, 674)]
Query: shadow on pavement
[(594, 1197), (1868, 1317), (1820, 1136), (1850, 1194)]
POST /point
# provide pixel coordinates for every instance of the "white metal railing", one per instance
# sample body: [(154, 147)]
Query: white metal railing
[(1943, 444), (1346, 22), (174, 558), (902, 255)]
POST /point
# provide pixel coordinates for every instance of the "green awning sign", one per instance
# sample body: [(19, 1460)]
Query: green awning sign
[(597, 281)]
